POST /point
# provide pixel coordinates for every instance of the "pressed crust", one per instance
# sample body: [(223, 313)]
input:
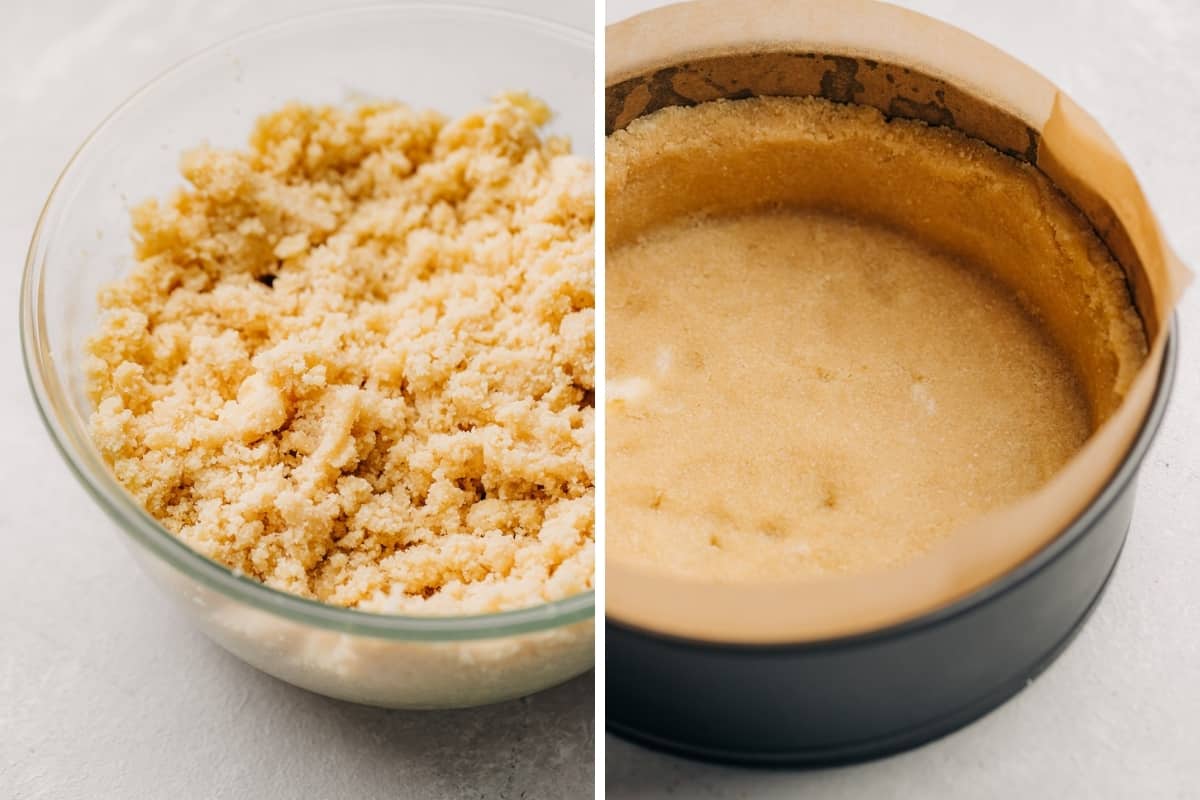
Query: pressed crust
[(832, 339)]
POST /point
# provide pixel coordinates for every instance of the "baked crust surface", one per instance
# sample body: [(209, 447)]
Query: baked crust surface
[(833, 338)]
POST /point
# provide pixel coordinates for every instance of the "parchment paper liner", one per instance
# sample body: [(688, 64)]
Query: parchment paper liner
[(844, 50)]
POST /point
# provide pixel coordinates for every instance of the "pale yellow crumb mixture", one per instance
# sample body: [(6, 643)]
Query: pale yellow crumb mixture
[(355, 360)]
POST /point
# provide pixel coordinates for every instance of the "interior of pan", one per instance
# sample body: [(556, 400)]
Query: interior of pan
[(935, 97)]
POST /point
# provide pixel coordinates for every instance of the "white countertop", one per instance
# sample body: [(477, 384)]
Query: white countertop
[(1118, 715), (106, 691)]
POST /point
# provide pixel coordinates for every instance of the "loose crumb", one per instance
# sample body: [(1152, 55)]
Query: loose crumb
[(355, 360)]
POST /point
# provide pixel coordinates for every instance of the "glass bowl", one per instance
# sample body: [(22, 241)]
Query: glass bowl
[(450, 58)]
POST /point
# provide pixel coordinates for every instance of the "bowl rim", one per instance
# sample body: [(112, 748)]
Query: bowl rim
[(66, 430)]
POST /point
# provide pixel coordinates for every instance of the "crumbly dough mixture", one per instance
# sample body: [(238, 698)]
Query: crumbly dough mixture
[(355, 360), (833, 339)]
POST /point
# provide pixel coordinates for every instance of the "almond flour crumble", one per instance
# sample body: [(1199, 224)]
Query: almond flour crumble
[(355, 360)]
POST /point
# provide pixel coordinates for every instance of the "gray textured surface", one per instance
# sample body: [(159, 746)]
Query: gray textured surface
[(1119, 714), (105, 691)]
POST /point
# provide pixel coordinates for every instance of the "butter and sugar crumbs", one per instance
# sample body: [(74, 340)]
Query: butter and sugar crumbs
[(355, 360)]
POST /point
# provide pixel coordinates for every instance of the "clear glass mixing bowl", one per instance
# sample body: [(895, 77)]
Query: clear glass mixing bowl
[(434, 55)]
